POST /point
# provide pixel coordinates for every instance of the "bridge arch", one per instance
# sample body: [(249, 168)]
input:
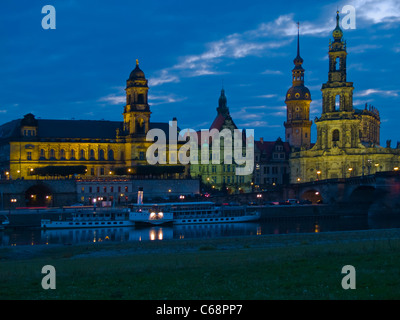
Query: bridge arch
[(313, 194), (38, 195), (362, 194)]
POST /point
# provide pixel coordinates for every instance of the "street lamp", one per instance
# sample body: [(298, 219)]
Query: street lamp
[(318, 174), (350, 171)]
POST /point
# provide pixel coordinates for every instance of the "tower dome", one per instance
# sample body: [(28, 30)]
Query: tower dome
[(137, 73), (337, 32)]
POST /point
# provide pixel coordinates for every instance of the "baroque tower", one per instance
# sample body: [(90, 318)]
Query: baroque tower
[(137, 110), (298, 100), (338, 125)]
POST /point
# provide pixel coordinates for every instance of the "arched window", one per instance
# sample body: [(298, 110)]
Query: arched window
[(52, 154), (42, 154), (139, 126), (110, 155), (337, 102), (140, 98), (62, 154), (82, 154), (101, 154), (335, 135), (91, 154), (337, 64), (72, 154)]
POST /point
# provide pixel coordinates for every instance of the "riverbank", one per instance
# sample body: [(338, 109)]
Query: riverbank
[(296, 266)]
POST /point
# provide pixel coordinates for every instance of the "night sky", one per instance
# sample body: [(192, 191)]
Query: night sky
[(188, 50)]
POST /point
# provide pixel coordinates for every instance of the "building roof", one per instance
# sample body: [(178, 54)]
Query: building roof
[(73, 129), (82, 129), (268, 147)]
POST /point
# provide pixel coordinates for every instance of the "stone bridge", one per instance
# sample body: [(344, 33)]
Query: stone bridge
[(23, 193), (380, 191)]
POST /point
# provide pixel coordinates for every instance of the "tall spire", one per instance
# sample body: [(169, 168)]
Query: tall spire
[(222, 104), (298, 100), (298, 39), (298, 61)]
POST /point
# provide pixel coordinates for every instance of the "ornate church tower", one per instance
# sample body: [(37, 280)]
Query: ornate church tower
[(338, 125), (298, 100), (337, 93), (137, 110)]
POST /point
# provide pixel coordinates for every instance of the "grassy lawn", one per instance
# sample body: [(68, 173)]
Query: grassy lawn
[(304, 269)]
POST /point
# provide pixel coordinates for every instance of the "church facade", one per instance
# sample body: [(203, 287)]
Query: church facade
[(32, 148), (348, 139)]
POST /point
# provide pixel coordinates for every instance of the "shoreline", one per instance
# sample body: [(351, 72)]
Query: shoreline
[(170, 246)]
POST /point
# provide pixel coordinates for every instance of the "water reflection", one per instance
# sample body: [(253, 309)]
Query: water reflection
[(11, 237)]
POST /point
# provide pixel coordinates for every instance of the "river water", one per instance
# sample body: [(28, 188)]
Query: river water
[(36, 236)]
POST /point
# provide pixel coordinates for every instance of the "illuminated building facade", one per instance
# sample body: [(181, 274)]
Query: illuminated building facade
[(220, 176), (347, 138), (32, 148)]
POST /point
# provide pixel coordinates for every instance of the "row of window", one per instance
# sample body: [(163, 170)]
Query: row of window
[(52, 155), (226, 179), (225, 168), (104, 189)]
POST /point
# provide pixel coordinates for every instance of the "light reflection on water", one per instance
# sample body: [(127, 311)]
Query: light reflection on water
[(125, 234)]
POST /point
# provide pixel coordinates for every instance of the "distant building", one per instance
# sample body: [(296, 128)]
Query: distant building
[(271, 163), (221, 176)]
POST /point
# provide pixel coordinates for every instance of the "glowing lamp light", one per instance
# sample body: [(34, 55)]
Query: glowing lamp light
[(396, 168)]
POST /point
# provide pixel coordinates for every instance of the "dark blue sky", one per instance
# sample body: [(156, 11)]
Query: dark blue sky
[(187, 50)]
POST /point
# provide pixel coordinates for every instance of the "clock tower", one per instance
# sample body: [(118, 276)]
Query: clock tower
[(298, 100)]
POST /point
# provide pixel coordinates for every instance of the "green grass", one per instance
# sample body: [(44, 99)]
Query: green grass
[(306, 270)]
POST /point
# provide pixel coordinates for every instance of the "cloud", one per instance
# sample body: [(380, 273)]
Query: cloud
[(268, 96), (257, 124), (363, 47), (274, 72), (162, 99), (163, 77), (234, 46), (387, 93), (113, 99), (285, 25), (383, 11)]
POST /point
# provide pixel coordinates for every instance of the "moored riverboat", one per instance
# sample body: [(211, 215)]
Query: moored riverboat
[(92, 219)]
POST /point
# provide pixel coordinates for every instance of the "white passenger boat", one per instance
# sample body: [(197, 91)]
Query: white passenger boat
[(208, 212), (154, 214), (190, 213), (90, 219)]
